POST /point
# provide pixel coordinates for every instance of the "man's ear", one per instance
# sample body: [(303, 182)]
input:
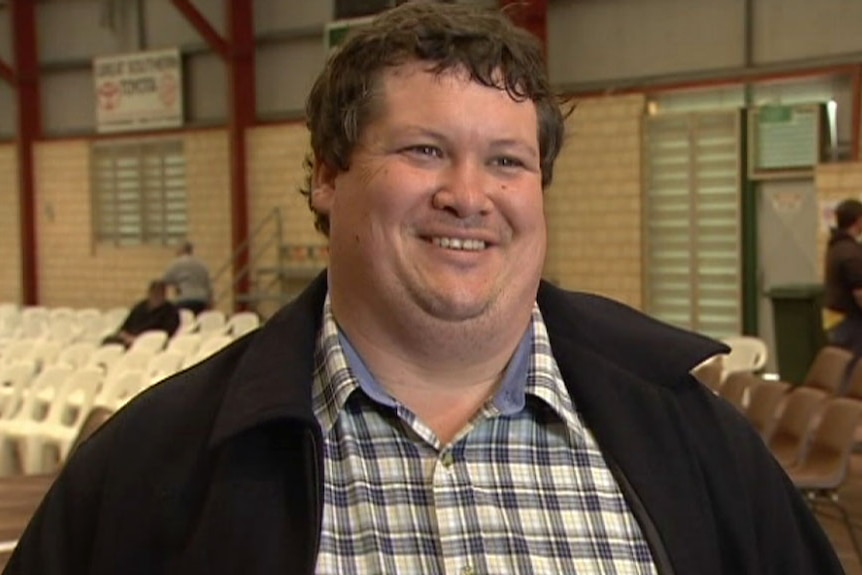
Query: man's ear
[(323, 187)]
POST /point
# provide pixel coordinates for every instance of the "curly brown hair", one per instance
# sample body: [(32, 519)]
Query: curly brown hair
[(484, 43)]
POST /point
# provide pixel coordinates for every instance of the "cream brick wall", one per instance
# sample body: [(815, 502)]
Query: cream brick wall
[(275, 170), (594, 204), (76, 271), (10, 231), (834, 182)]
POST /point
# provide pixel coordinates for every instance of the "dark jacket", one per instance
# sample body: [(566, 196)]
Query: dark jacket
[(141, 318), (843, 273), (219, 469)]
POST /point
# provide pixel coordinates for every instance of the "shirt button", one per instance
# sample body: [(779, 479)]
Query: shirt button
[(447, 460)]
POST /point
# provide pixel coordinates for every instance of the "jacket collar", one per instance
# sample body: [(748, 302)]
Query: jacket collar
[(273, 378)]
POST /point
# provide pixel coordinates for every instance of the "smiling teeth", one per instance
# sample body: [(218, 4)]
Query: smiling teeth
[(459, 244)]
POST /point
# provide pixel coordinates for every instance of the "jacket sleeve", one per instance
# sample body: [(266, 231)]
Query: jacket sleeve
[(61, 534)]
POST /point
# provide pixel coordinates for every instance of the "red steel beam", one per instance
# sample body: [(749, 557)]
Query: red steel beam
[(242, 113), (532, 15), (26, 61), (7, 73), (204, 28)]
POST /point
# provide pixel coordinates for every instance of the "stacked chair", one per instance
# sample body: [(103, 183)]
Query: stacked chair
[(58, 382), (810, 428)]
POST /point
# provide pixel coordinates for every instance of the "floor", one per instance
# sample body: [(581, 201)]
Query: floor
[(19, 497)]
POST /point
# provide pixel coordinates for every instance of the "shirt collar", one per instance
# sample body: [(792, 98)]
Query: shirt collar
[(341, 371)]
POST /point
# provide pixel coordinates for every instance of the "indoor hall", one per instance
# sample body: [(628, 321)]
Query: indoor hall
[(706, 152)]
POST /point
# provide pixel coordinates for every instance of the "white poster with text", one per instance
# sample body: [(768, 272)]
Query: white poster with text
[(141, 91)]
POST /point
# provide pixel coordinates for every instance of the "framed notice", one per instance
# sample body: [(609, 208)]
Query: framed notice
[(140, 91), (785, 141)]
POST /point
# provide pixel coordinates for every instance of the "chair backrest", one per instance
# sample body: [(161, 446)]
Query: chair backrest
[(211, 321), (152, 340), (764, 400), (828, 368), (97, 416), (120, 388), (106, 355), (242, 322), (77, 353), (747, 353), (14, 379), (734, 388), (208, 347), (113, 318), (45, 351), (75, 398), (793, 427), (185, 343), (44, 388), (17, 350), (188, 321), (134, 359), (163, 365), (708, 372), (825, 463)]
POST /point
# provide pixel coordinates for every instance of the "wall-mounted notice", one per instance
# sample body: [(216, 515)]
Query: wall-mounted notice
[(140, 91)]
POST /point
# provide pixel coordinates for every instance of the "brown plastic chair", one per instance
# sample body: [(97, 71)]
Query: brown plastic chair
[(735, 386), (765, 397), (824, 465), (828, 369), (792, 430)]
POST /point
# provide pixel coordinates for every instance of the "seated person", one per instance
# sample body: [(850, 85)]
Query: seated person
[(154, 312)]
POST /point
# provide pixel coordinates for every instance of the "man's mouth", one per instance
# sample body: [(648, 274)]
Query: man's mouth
[(466, 245)]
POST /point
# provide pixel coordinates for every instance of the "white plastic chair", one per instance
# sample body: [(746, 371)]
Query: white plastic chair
[(163, 365), (31, 409), (34, 321), (211, 321), (185, 343), (152, 341), (119, 388), (14, 378), (17, 350), (106, 356), (208, 347), (113, 318), (44, 352), (747, 353), (43, 445), (188, 321), (76, 354), (242, 322)]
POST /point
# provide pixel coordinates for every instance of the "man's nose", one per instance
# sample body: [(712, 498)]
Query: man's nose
[(463, 190)]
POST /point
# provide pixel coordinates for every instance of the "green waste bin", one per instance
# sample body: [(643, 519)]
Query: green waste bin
[(798, 322)]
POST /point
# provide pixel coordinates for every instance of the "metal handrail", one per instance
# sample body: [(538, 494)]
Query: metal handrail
[(273, 216)]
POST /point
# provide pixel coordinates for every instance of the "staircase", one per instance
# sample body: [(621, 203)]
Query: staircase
[(277, 270)]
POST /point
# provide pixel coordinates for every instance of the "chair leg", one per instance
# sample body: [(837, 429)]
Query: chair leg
[(832, 497)]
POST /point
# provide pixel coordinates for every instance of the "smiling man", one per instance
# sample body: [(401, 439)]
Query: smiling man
[(429, 405)]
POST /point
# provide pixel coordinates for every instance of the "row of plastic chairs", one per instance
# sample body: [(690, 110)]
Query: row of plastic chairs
[(62, 324), (812, 428)]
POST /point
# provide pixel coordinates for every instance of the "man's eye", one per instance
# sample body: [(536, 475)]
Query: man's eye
[(508, 162), (424, 150)]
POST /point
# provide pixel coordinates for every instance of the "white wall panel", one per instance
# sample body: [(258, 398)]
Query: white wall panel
[(78, 30), (167, 27), (205, 88), (593, 40), (272, 16), (285, 74), (8, 112), (68, 104), (801, 29)]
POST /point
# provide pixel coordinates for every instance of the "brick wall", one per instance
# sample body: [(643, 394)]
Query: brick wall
[(10, 239), (834, 182), (594, 204), (76, 271)]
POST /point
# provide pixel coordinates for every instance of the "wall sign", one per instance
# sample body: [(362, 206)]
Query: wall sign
[(140, 91)]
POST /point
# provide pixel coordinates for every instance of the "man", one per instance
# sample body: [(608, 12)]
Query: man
[(191, 279), (428, 406), (843, 283), (154, 312)]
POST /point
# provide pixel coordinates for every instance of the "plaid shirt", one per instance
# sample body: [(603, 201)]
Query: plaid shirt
[(522, 489)]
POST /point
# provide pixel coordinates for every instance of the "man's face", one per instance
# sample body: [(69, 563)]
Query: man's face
[(440, 214)]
